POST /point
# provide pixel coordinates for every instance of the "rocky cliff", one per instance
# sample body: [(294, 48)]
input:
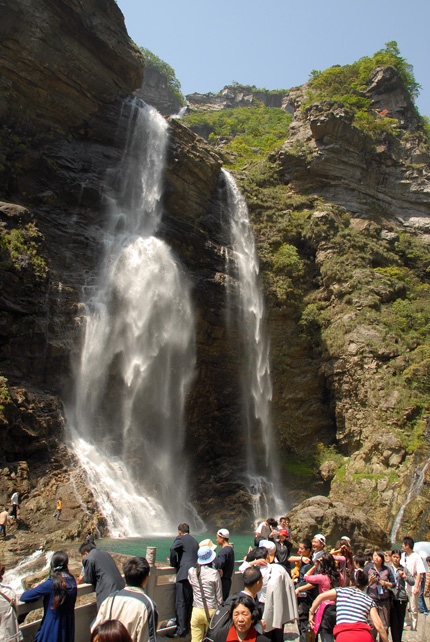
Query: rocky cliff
[(341, 219)]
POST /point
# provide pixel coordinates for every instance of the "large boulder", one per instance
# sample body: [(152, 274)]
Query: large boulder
[(334, 519)]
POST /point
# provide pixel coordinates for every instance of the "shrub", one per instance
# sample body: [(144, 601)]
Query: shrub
[(173, 85)]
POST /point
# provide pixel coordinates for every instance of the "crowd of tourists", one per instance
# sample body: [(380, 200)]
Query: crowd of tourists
[(335, 594)]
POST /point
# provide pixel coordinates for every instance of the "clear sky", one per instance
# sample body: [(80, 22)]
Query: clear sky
[(275, 44)]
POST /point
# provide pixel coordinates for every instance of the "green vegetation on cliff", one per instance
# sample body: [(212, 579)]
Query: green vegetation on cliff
[(19, 248), (242, 133), (152, 61), (348, 84)]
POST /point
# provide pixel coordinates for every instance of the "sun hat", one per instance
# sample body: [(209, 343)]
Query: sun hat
[(205, 555), (208, 542)]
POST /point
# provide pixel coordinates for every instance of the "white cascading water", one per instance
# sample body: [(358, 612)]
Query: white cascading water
[(415, 487), (263, 481), (138, 354)]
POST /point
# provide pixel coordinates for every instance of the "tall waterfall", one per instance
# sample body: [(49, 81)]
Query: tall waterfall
[(262, 468), (138, 354)]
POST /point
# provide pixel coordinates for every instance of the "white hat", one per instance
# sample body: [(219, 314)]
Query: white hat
[(223, 532), (271, 548), (320, 537)]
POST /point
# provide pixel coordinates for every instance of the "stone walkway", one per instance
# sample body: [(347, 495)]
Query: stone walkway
[(421, 635)]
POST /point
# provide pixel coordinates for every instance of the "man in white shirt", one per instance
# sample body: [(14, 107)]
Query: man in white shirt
[(413, 562)]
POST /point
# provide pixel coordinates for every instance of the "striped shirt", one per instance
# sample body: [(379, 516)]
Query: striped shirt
[(352, 605)]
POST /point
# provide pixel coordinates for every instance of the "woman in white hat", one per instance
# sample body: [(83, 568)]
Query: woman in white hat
[(207, 593)]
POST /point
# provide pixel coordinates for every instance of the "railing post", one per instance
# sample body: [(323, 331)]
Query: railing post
[(151, 553)]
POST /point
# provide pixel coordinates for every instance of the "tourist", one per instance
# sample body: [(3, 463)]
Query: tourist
[(353, 608), (9, 629), (59, 597), (283, 550), (253, 582), (258, 557), (244, 615), (110, 631), (399, 600), (225, 561), (59, 508), (318, 544), (380, 581), (130, 605), (14, 500), (207, 592), (344, 556), (422, 606), (413, 562), (265, 529), (284, 527), (183, 555), (100, 570), (280, 604), (325, 576), (90, 539), (4, 519), (305, 597)]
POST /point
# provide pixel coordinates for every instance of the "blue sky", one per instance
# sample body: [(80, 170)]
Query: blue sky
[(275, 44)]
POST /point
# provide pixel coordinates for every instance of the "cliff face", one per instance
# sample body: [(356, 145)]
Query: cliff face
[(341, 220), (349, 370), (57, 148)]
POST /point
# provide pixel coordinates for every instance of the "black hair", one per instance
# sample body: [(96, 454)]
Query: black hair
[(360, 579), (86, 547), (306, 543), (272, 522), (259, 553), (59, 567), (249, 603), (135, 570), (183, 528), (381, 556), (327, 566), (408, 541), (251, 576), (360, 560), (396, 551)]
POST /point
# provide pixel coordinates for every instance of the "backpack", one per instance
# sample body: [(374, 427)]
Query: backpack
[(220, 623)]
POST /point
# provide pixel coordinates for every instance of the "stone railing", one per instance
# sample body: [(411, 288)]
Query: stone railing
[(160, 587)]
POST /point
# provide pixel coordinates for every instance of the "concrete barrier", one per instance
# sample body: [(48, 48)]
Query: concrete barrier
[(160, 588)]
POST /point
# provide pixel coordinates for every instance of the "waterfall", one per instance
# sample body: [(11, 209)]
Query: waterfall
[(137, 359), (415, 487), (263, 479)]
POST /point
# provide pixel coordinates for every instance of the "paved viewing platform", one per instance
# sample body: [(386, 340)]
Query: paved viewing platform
[(161, 588)]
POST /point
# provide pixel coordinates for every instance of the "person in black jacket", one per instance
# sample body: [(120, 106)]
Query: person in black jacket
[(183, 555), (100, 570), (225, 561)]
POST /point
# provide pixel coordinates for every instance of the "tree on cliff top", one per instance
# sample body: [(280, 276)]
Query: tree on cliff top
[(347, 83), (173, 85)]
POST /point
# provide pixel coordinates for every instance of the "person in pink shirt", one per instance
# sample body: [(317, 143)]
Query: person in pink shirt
[(326, 576)]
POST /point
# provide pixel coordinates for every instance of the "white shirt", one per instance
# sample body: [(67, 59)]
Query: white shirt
[(414, 564)]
